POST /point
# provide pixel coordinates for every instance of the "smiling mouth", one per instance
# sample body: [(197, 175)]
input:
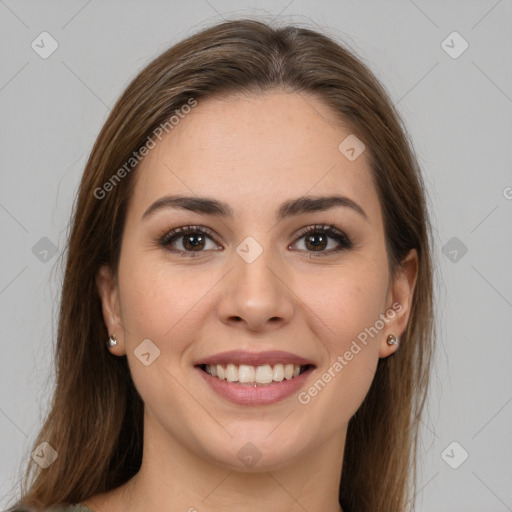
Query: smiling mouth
[(254, 375)]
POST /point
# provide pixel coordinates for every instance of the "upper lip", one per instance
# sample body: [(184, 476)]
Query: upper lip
[(239, 357)]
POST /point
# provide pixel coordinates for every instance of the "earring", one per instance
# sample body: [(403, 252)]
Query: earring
[(112, 342), (392, 340)]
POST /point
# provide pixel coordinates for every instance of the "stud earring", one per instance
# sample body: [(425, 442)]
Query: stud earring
[(392, 340), (112, 342)]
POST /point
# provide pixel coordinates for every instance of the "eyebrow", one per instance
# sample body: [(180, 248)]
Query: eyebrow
[(290, 208)]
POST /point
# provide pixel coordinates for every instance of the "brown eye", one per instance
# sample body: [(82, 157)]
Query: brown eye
[(317, 240), (193, 242), (188, 239)]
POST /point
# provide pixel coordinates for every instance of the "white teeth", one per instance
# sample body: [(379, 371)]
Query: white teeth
[(278, 374), (231, 373), (244, 373), (288, 371), (264, 374)]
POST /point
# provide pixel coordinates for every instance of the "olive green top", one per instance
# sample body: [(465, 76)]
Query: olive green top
[(77, 507), (70, 508)]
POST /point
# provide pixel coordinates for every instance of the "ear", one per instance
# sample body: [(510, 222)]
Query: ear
[(399, 302), (108, 290)]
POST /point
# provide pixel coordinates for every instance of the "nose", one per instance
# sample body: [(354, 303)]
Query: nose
[(256, 295)]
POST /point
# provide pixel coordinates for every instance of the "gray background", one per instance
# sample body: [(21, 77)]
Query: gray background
[(458, 112)]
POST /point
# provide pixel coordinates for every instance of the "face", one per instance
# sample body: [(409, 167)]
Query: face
[(270, 286)]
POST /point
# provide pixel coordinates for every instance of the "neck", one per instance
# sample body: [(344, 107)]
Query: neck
[(176, 478), (173, 477)]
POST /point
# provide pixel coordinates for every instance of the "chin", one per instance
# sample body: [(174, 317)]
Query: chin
[(261, 450)]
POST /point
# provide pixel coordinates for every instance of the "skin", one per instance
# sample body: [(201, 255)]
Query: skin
[(252, 153)]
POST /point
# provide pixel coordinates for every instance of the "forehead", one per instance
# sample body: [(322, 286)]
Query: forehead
[(254, 152)]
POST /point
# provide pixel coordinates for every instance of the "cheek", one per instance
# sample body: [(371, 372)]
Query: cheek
[(157, 301), (351, 307), (352, 303), (157, 304)]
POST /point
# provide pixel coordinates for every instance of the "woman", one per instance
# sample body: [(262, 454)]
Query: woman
[(246, 315)]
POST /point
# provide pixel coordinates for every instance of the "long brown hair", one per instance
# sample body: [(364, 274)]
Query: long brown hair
[(96, 417)]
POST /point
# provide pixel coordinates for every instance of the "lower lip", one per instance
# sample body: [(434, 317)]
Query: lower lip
[(256, 395)]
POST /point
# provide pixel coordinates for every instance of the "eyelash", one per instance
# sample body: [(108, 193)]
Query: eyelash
[(343, 240)]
